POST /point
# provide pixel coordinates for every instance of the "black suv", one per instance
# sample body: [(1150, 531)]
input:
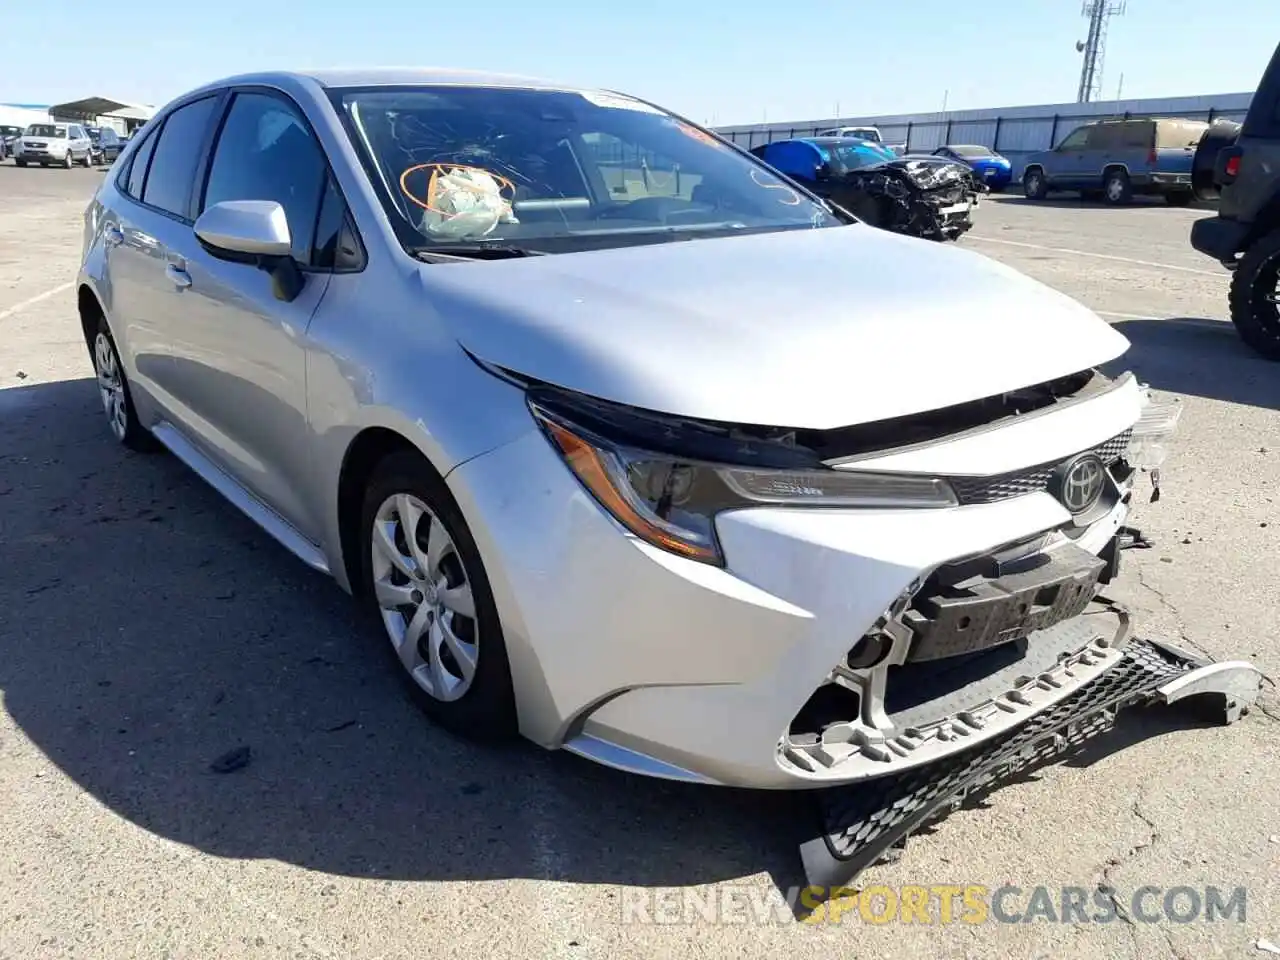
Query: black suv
[(1245, 235)]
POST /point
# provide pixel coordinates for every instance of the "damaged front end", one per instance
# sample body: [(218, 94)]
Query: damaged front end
[(986, 662), (920, 196)]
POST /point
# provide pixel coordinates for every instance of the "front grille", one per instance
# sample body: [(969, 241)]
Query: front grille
[(1006, 486)]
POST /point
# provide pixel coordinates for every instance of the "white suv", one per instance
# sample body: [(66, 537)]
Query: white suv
[(47, 143)]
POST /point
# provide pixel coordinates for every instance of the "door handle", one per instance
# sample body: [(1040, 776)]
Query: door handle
[(177, 276), (113, 235)]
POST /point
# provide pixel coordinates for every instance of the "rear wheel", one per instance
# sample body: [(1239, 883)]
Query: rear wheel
[(1033, 184), (113, 390), (1255, 296), (1116, 189), (426, 585), (21, 163), (68, 160)]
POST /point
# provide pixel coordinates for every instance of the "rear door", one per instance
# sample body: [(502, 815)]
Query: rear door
[(144, 234), (1106, 147)]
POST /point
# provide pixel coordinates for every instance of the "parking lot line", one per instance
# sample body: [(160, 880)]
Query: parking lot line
[(1101, 256), (32, 301)]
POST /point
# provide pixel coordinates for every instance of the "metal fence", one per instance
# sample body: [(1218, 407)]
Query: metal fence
[(1014, 132)]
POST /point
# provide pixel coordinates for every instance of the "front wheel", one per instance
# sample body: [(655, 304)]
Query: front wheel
[(1255, 296), (427, 587), (1033, 185)]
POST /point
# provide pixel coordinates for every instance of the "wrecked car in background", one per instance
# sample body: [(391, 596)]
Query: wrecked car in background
[(922, 196), (627, 443)]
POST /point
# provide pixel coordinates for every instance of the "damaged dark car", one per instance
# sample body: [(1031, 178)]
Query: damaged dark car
[(922, 196)]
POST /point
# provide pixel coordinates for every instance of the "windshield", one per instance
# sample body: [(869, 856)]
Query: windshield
[(971, 152), (46, 130), (851, 154), (558, 171)]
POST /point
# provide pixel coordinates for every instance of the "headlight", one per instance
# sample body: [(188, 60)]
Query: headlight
[(672, 502)]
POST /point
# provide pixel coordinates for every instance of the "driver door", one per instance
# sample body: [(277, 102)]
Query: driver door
[(1068, 162)]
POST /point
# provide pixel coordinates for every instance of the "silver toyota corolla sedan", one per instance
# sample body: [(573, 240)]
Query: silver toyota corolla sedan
[(628, 443)]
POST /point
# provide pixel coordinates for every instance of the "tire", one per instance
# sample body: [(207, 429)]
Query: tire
[(1179, 198), (21, 163), (88, 159), (1220, 134), (481, 707), (113, 391), (1116, 188), (68, 161), (1253, 291), (1033, 184)]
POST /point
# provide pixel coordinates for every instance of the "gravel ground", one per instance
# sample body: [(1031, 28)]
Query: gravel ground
[(147, 628)]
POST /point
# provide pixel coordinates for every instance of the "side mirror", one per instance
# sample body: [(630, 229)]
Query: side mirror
[(257, 232), (255, 228)]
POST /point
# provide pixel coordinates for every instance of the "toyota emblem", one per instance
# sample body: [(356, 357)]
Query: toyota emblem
[(1082, 482)]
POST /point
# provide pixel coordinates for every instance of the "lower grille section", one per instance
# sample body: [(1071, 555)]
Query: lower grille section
[(861, 825)]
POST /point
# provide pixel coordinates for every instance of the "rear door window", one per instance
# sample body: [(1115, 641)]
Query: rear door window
[(1105, 136), (1137, 136), (177, 152)]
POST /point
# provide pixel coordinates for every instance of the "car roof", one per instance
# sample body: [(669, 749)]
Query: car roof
[(396, 76)]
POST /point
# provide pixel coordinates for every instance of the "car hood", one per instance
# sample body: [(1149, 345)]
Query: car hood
[(929, 173), (809, 329)]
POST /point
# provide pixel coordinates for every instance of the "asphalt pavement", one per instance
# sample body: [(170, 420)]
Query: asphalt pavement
[(147, 629)]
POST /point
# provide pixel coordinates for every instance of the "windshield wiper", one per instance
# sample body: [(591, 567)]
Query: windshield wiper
[(474, 251)]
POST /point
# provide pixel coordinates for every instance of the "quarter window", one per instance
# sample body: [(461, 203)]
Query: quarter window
[(267, 152), (138, 167), (177, 151)]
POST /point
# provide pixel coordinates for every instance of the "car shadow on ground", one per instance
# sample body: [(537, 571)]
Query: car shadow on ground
[(148, 629), (1199, 357)]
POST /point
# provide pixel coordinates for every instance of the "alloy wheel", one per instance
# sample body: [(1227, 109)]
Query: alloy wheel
[(424, 595), (111, 385)]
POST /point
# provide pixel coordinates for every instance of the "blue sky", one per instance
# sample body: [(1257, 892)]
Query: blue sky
[(723, 62)]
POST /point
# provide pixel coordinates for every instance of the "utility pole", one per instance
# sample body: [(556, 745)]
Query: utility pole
[(1094, 46)]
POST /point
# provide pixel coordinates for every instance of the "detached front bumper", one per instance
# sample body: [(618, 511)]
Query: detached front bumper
[(870, 823)]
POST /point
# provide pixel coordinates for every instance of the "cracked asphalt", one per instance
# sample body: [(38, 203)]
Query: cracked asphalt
[(147, 629)]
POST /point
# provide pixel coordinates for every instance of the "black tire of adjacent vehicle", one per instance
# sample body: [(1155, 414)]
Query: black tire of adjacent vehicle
[(1256, 319), (487, 710), (1125, 192), (1033, 184), (136, 437)]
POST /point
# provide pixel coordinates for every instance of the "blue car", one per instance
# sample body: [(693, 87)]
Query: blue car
[(991, 168)]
